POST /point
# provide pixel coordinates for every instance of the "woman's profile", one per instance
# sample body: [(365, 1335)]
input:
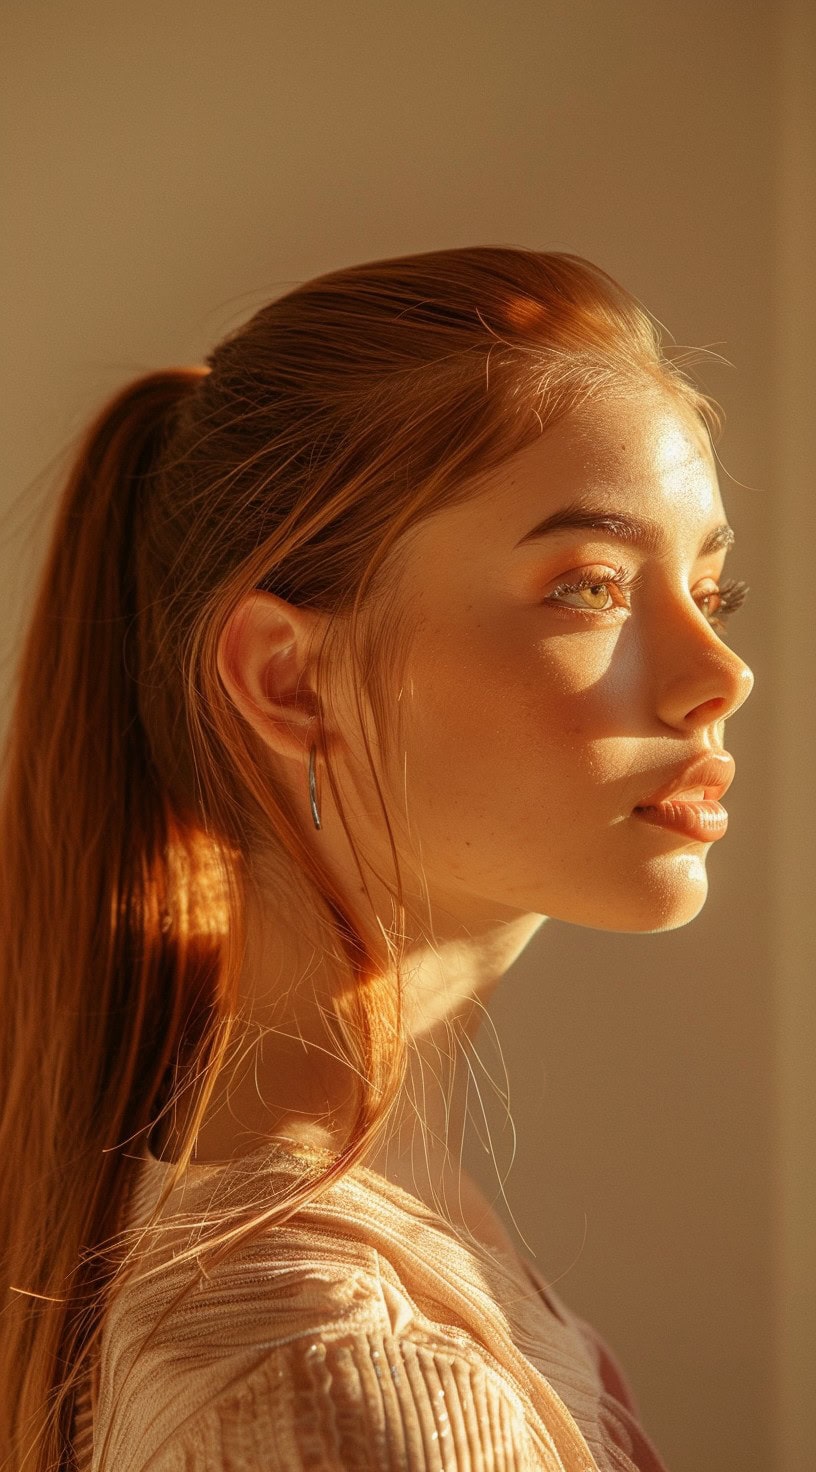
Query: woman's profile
[(360, 650)]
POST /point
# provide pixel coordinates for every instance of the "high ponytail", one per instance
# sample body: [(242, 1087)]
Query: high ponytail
[(86, 997)]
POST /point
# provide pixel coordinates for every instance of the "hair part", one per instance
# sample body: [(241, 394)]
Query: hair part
[(136, 805)]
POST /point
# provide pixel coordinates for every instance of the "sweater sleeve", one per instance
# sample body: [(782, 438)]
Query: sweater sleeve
[(366, 1401)]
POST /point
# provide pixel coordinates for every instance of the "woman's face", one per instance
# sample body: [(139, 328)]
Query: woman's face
[(535, 720)]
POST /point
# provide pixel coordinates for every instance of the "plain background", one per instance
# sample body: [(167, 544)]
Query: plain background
[(169, 167)]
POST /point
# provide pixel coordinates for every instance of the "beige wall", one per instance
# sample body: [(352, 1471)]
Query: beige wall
[(172, 166), (793, 858)]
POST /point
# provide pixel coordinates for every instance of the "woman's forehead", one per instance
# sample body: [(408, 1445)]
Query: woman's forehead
[(645, 455)]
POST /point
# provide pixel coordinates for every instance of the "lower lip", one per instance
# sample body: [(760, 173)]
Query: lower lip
[(705, 821)]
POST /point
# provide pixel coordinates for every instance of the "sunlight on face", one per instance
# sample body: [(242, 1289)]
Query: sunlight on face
[(535, 717)]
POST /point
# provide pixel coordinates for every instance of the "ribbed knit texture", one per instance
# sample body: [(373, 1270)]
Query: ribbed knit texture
[(359, 1336)]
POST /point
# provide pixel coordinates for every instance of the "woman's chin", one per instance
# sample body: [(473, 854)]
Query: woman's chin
[(654, 897), (665, 901)]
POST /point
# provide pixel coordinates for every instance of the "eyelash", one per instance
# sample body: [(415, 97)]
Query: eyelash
[(731, 594)]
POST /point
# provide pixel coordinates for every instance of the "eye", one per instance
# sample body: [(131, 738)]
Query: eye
[(593, 585), (594, 588), (729, 596)]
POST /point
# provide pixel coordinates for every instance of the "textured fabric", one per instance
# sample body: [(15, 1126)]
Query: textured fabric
[(361, 1334)]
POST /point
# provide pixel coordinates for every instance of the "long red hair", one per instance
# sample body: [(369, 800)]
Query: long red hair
[(134, 804)]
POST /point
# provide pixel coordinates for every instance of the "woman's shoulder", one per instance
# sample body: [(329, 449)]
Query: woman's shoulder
[(355, 1334), (353, 1260), (275, 1281), (302, 1347), (362, 1253)]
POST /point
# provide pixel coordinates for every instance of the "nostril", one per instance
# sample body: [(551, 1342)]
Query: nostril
[(717, 706)]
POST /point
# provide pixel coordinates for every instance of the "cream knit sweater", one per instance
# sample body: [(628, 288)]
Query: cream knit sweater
[(362, 1334)]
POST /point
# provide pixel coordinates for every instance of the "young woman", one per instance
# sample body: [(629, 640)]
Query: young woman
[(359, 651)]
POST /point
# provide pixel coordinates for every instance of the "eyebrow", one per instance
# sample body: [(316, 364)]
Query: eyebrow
[(621, 527)]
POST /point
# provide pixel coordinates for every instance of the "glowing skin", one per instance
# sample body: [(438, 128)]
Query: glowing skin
[(531, 730), (535, 729)]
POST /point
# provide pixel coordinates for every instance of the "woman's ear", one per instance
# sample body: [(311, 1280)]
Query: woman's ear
[(263, 662)]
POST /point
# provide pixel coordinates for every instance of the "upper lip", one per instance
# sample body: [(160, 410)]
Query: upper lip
[(711, 773)]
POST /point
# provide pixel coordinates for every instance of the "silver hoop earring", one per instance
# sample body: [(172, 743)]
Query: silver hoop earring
[(312, 788)]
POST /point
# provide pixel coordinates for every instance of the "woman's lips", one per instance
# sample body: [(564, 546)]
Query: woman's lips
[(705, 820), (706, 776)]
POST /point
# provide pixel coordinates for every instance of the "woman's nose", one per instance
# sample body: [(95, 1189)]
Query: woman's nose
[(701, 680)]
